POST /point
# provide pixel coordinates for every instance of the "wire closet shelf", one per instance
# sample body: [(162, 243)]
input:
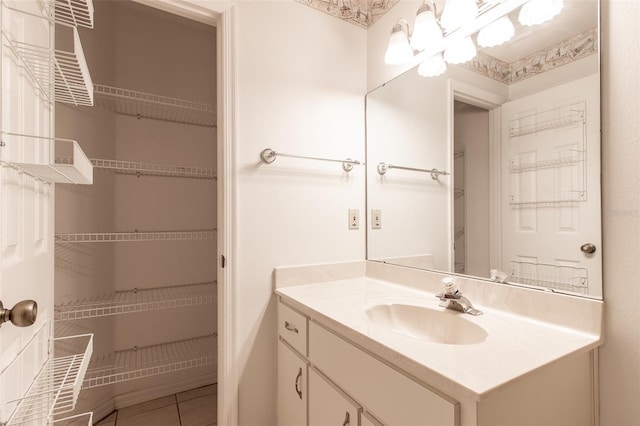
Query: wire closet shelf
[(153, 360), (56, 388), (555, 277), (33, 156), (149, 169), (70, 81), (156, 107), (78, 13), (114, 237), (138, 300)]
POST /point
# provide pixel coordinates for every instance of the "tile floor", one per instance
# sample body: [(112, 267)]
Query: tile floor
[(196, 407)]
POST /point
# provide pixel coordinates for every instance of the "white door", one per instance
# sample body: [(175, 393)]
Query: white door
[(551, 188), (26, 204)]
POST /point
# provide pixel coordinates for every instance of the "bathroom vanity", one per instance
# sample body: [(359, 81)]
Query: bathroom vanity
[(367, 343)]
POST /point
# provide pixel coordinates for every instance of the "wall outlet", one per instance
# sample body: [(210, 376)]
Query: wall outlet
[(354, 219), (376, 219)]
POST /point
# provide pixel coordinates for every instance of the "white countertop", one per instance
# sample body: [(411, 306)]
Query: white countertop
[(515, 345)]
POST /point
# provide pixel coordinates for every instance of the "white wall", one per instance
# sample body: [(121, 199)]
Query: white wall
[(619, 368), (301, 84)]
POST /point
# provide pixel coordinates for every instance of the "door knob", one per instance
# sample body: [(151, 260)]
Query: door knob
[(588, 248), (23, 314)]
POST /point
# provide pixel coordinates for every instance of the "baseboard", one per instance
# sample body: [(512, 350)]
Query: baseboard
[(143, 395), (103, 410)]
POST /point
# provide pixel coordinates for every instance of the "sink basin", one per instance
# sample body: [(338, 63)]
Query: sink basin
[(419, 322)]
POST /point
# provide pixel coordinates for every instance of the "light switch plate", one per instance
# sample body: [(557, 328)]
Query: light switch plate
[(354, 219), (376, 219)]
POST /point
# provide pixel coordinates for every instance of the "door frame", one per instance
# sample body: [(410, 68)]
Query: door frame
[(222, 15), (491, 102)]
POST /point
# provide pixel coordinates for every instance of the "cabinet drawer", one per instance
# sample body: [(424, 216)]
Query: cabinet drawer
[(292, 326), (394, 398), (292, 387), (328, 405)]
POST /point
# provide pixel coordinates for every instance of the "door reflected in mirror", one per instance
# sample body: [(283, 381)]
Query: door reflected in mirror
[(493, 169)]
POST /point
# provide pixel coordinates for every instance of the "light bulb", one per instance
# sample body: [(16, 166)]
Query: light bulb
[(496, 32), (398, 52), (432, 66), (536, 12), (426, 30), (460, 52), (458, 13)]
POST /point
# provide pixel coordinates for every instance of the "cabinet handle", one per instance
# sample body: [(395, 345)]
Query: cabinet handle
[(290, 327), (347, 419), (298, 378)]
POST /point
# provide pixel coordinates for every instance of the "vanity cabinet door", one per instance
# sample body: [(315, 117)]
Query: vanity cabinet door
[(328, 405), (397, 399), (292, 387)]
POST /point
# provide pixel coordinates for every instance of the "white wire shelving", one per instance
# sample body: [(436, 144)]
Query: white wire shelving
[(557, 277), (138, 300), (51, 160), (157, 107), (78, 13), (556, 118), (70, 81), (55, 390), (148, 169), (139, 362), (112, 237)]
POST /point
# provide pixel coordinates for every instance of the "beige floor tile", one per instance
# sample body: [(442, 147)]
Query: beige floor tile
[(197, 392), (145, 406), (163, 416), (199, 411)]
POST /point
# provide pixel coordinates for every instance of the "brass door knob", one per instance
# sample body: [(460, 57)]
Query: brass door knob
[(588, 248), (23, 314)]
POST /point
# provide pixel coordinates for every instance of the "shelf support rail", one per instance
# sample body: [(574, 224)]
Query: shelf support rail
[(435, 173), (268, 156)]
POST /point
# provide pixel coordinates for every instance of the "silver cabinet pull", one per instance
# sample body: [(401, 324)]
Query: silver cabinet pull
[(23, 314), (588, 248), (298, 379), (290, 327), (347, 419)]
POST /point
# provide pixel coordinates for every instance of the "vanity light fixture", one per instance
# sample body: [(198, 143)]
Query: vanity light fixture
[(496, 32), (426, 30), (399, 51), (460, 52), (458, 14), (536, 12), (487, 17), (432, 66)]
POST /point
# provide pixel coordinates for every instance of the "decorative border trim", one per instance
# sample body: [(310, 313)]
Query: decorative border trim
[(362, 13), (567, 51)]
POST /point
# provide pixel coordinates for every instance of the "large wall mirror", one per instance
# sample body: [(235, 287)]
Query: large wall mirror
[(492, 169)]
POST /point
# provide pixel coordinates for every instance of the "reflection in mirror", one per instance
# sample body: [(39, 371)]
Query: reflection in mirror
[(514, 136)]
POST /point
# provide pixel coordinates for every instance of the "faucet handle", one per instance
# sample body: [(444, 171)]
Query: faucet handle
[(450, 287)]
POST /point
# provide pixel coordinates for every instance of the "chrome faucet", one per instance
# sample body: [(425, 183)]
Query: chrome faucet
[(452, 298)]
